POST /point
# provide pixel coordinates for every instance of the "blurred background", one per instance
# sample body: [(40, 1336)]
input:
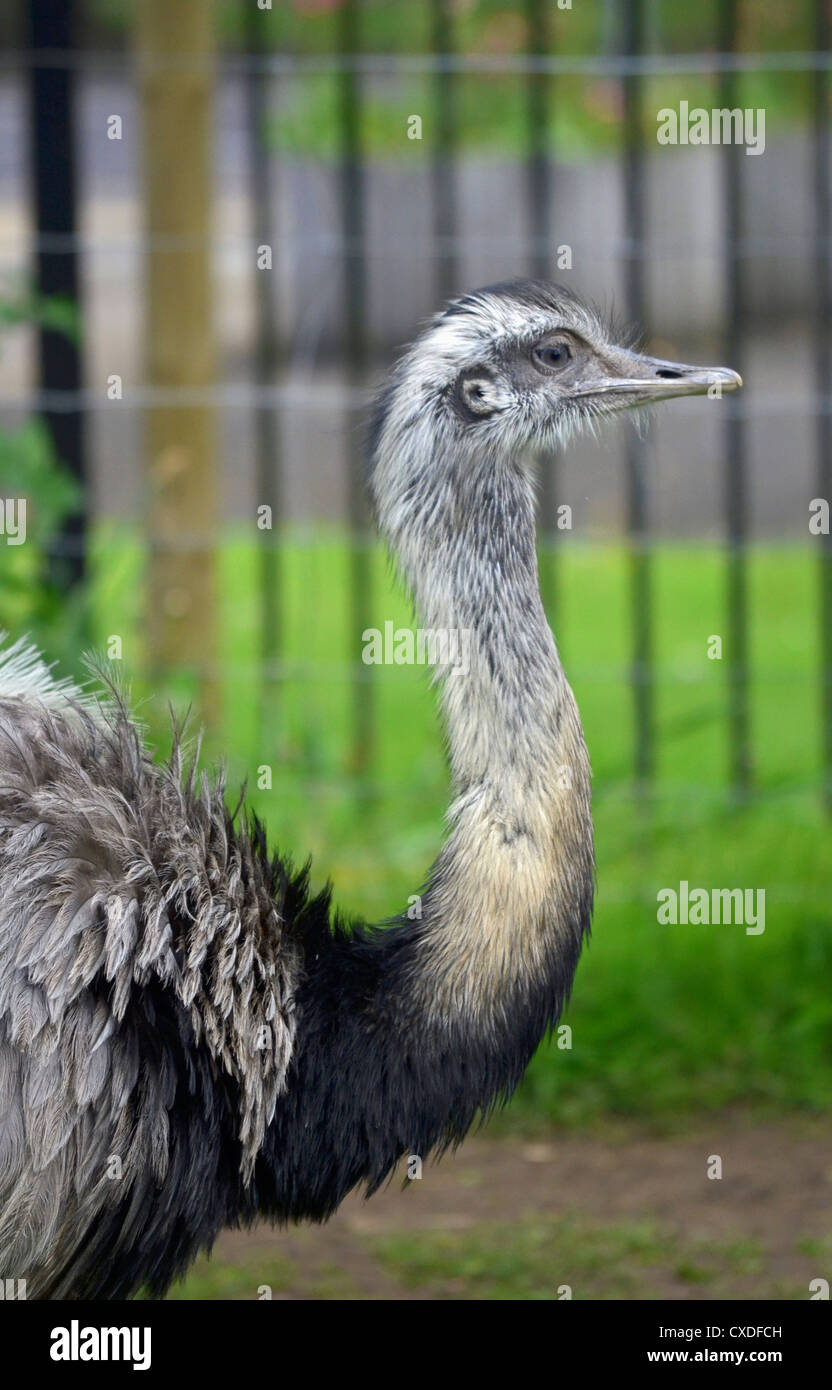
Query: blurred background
[(219, 219)]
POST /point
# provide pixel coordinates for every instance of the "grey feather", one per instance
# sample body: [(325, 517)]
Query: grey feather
[(124, 880)]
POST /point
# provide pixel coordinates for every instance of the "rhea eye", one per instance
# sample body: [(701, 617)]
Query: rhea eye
[(552, 355)]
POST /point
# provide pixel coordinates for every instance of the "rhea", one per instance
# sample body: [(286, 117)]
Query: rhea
[(188, 1039)]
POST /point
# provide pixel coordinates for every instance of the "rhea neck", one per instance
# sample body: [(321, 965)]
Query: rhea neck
[(472, 569), (503, 910)]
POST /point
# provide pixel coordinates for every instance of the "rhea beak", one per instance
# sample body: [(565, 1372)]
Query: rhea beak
[(651, 378)]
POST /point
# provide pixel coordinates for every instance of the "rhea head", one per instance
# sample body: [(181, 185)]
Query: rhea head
[(501, 375)]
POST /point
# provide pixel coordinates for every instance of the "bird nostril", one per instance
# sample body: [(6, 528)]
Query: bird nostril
[(670, 374)]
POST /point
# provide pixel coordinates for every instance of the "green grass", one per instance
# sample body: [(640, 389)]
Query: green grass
[(261, 1276), (665, 1020), (551, 1258), (541, 1258)]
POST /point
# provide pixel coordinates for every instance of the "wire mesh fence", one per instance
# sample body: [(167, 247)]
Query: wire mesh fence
[(319, 327)]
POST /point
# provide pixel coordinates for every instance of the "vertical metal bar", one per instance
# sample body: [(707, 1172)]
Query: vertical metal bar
[(356, 346), (736, 501), (538, 196), (51, 27), (538, 185), (266, 364), (444, 178), (822, 150), (636, 449)]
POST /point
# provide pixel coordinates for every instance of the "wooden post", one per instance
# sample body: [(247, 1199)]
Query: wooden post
[(175, 64)]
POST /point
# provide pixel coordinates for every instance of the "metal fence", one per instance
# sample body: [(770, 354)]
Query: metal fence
[(52, 66)]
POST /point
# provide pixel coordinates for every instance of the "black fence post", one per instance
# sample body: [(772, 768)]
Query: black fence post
[(736, 500), (636, 449), (538, 197), (52, 135), (355, 338), (444, 173), (538, 179), (822, 150), (268, 463)]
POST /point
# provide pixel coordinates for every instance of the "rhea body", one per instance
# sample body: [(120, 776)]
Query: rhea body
[(187, 1040)]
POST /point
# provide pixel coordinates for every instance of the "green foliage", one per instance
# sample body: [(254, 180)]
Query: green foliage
[(491, 114), (491, 109), (32, 599), (501, 27), (55, 312)]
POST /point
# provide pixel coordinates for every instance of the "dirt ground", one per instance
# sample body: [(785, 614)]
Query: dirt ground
[(775, 1193)]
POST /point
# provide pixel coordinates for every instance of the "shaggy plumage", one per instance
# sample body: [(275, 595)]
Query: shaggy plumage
[(187, 1040), (146, 956)]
